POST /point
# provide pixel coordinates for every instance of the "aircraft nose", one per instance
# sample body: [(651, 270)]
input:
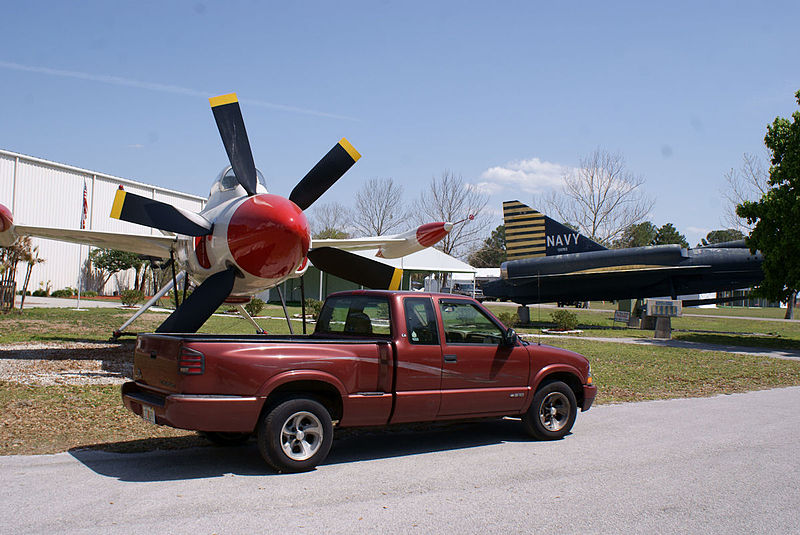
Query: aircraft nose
[(268, 236)]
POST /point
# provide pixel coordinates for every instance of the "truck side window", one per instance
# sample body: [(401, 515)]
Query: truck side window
[(421, 321), (466, 324), (354, 316)]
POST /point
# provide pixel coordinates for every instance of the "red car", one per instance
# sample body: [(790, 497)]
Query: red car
[(374, 358)]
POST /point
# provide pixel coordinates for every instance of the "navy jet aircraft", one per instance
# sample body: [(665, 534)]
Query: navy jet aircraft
[(549, 262)]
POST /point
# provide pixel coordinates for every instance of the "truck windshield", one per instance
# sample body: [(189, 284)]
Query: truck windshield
[(355, 315)]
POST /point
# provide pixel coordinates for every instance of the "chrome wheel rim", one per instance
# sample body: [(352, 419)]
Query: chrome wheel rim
[(301, 436), (554, 411)]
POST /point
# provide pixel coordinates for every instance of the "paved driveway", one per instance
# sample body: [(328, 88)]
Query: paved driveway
[(727, 464)]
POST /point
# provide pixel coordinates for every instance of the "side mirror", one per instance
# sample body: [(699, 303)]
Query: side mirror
[(510, 338)]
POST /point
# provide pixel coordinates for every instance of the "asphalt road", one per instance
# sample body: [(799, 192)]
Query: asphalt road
[(728, 464)]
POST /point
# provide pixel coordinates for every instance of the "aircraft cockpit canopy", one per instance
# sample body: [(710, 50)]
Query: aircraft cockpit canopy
[(226, 181)]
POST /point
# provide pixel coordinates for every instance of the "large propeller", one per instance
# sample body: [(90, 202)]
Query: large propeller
[(199, 306)]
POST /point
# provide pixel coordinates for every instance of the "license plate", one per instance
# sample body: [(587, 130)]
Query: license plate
[(149, 413)]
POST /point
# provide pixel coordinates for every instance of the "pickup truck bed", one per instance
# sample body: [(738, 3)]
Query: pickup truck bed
[(375, 358)]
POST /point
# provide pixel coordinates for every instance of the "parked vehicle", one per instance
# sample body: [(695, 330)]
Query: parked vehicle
[(375, 358), (465, 288)]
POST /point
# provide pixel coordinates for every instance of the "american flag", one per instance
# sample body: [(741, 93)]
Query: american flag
[(85, 207)]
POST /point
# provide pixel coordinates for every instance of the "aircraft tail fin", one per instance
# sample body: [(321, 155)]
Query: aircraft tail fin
[(530, 233)]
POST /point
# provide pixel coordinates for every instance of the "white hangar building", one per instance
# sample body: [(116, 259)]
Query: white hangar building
[(49, 194)]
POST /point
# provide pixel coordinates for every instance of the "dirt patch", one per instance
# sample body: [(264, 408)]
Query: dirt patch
[(66, 363)]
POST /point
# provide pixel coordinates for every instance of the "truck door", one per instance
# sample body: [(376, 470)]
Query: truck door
[(419, 363), (479, 374)]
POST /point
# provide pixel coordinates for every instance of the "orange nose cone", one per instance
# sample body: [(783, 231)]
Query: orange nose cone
[(268, 236)]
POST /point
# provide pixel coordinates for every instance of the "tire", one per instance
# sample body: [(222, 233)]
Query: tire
[(225, 439), (552, 412), (295, 435)]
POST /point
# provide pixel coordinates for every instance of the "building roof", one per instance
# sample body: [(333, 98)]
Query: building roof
[(428, 259)]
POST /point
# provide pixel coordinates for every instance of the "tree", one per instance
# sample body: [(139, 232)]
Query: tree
[(668, 234), (379, 207), (19, 251), (493, 251), (748, 183), (721, 236), (602, 197), (111, 261), (329, 221), (449, 198), (775, 215), (639, 235)]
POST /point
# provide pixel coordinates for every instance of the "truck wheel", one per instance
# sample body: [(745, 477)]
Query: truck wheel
[(552, 413), (296, 435), (225, 439)]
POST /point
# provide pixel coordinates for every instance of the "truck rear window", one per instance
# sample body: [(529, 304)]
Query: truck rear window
[(355, 315)]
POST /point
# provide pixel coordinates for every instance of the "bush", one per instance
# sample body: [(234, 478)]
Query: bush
[(313, 307), (254, 306), (131, 297), (509, 319), (66, 292), (39, 293), (89, 293), (564, 320)]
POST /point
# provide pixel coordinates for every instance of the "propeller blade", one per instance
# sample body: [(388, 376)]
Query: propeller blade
[(355, 268), (323, 175), (200, 304), (151, 213), (234, 136)]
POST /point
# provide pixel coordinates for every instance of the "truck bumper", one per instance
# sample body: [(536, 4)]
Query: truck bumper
[(589, 393), (232, 414)]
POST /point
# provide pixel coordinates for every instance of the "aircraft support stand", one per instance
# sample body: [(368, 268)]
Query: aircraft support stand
[(243, 313), (167, 287)]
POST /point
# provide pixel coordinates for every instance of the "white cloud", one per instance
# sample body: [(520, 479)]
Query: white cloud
[(527, 176)]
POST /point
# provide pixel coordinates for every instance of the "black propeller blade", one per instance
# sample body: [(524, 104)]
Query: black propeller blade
[(151, 213), (323, 175), (355, 268), (234, 136), (199, 306)]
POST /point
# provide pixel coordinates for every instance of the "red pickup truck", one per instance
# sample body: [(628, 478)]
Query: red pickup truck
[(374, 358)]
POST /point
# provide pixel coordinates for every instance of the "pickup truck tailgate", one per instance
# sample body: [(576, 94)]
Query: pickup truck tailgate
[(158, 360)]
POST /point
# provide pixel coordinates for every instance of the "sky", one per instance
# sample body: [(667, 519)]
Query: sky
[(508, 95)]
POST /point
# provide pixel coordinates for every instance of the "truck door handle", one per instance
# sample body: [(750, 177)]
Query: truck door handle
[(450, 358)]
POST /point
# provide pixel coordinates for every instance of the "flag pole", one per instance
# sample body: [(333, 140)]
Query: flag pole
[(84, 213)]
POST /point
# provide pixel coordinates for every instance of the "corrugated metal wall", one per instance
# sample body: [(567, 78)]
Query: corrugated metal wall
[(44, 193)]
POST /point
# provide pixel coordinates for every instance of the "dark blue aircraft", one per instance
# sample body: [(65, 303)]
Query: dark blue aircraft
[(549, 262)]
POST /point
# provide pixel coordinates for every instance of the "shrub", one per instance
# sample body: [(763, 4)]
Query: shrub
[(39, 293), (131, 297), (564, 319), (66, 292), (254, 306), (89, 293), (313, 307), (509, 319)]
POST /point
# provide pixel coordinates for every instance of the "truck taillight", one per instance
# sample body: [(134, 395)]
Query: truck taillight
[(191, 362)]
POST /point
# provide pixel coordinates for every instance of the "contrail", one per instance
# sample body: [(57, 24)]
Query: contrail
[(164, 88)]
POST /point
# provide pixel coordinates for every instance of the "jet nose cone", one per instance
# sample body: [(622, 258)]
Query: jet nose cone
[(268, 236)]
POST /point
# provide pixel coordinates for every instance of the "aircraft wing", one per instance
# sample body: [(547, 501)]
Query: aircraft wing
[(158, 246), (357, 244)]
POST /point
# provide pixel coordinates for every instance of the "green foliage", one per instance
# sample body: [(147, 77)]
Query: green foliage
[(313, 307), (721, 236), (254, 307), (66, 292), (89, 293), (112, 260), (40, 293), (330, 233), (509, 319), (639, 235), (669, 234), (131, 297), (564, 320), (493, 251), (777, 225)]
